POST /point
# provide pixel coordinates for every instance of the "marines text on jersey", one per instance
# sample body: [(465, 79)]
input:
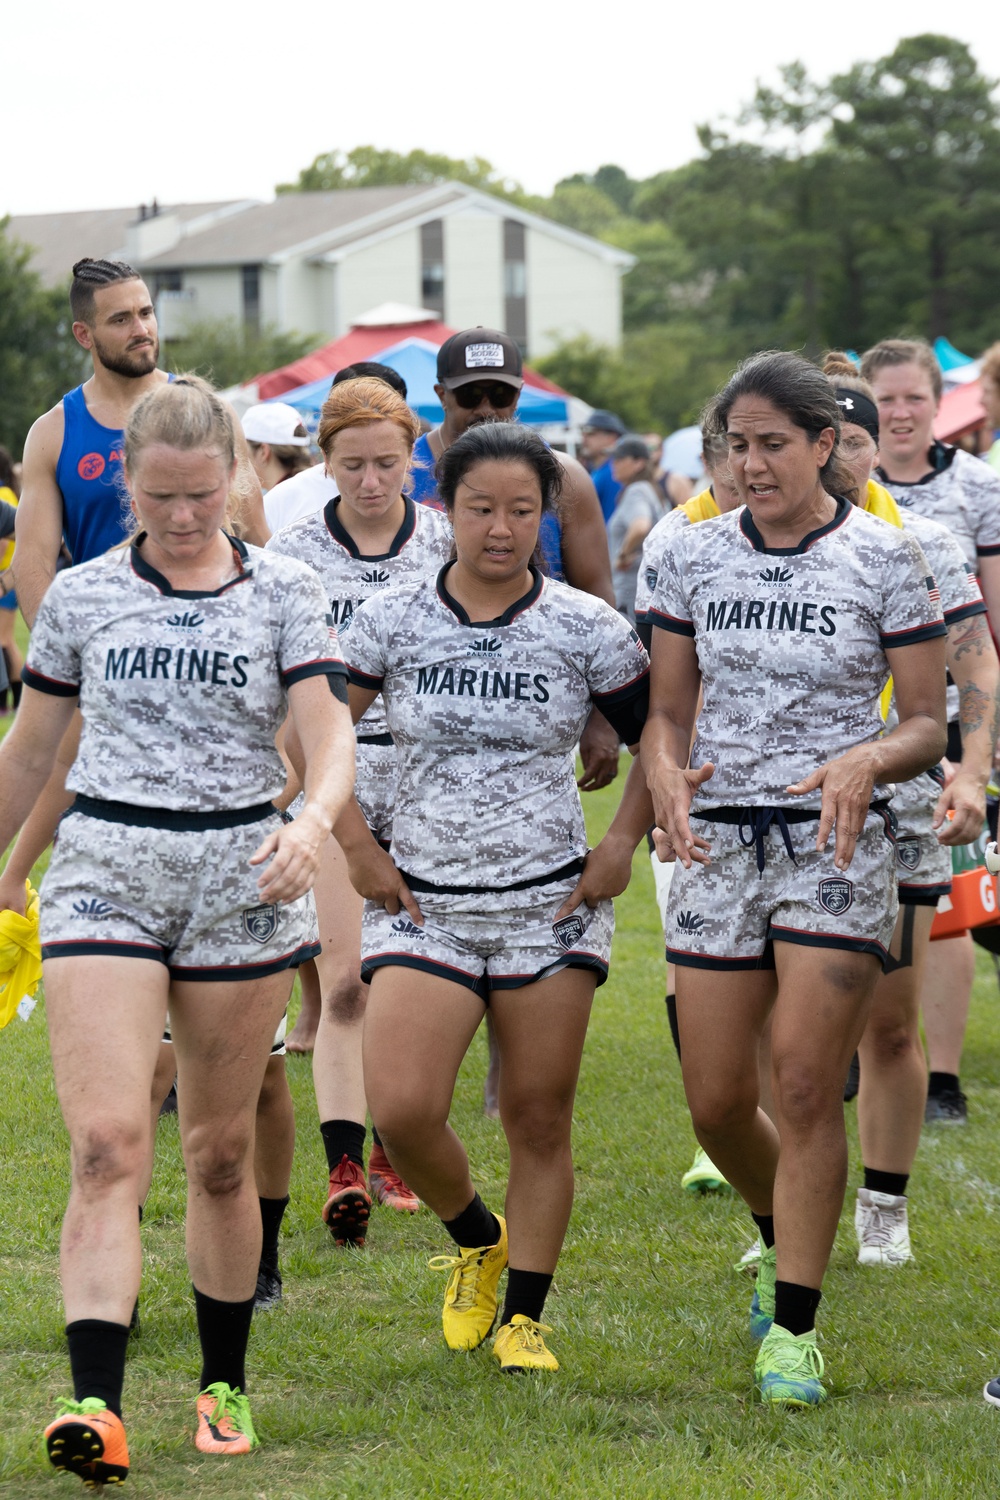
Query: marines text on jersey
[(486, 717), (791, 642), (420, 546), (182, 693)]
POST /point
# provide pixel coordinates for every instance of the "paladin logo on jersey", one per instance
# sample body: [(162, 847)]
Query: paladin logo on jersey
[(189, 620), (836, 895), (776, 575), (690, 921), (484, 646), (93, 909), (260, 922), (908, 853), (569, 930), (406, 928), (378, 578)]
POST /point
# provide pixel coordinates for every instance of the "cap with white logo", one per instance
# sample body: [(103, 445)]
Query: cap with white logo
[(479, 354)]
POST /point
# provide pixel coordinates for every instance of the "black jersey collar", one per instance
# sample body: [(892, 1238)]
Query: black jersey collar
[(940, 456), (509, 615), (756, 541), (143, 569), (407, 527)]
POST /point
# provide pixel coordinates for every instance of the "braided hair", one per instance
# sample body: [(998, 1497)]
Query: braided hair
[(88, 275)]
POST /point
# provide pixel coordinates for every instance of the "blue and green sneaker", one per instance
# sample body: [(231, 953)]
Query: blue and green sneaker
[(788, 1369), (762, 1301)]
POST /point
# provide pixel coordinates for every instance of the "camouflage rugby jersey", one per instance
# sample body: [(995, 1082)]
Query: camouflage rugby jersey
[(961, 493), (791, 643), (181, 693), (486, 717), (422, 543)]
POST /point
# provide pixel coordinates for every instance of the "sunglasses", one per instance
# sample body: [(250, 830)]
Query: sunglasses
[(499, 396)]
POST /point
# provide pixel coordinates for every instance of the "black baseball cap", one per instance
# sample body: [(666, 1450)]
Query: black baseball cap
[(479, 354), (605, 421)]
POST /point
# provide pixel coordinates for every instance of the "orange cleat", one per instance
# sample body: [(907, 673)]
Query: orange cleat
[(224, 1424), (89, 1440), (387, 1187), (348, 1206)]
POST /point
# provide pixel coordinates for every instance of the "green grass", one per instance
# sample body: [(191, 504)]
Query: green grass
[(355, 1395)]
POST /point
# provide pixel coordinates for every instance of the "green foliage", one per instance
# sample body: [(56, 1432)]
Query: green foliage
[(227, 353), (367, 166), (39, 358)]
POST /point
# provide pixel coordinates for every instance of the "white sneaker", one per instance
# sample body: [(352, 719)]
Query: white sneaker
[(882, 1230)]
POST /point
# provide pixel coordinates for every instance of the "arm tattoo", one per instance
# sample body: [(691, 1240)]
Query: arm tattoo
[(973, 705), (968, 635)]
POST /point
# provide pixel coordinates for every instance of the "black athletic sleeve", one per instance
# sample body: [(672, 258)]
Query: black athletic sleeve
[(626, 708)]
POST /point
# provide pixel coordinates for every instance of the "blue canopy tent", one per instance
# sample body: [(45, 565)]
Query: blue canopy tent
[(416, 360)]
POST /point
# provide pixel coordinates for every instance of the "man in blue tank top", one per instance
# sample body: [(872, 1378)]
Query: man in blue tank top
[(72, 487)]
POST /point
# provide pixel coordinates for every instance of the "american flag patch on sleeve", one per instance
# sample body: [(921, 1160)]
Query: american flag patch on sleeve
[(933, 592), (974, 586)]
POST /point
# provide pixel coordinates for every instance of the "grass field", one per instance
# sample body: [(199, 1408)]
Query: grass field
[(355, 1395)]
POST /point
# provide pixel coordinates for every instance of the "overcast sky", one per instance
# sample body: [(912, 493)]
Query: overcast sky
[(195, 100)]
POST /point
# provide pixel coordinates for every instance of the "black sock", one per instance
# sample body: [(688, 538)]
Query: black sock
[(97, 1360), (795, 1306), (15, 692), (224, 1332), (672, 1020), (272, 1211), (765, 1223), (343, 1138), (526, 1294), (942, 1083), (376, 1138), (475, 1226), (886, 1182)]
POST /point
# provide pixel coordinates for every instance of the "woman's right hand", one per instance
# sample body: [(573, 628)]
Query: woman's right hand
[(12, 894), (672, 791), (374, 876)]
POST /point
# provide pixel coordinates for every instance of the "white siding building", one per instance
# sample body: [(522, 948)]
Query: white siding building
[(314, 262)]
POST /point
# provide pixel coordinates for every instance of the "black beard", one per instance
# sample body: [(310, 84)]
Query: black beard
[(133, 364)]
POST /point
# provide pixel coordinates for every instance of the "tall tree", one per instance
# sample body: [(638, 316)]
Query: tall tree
[(368, 166), (39, 359)]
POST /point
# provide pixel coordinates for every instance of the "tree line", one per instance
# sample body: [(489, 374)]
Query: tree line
[(825, 213)]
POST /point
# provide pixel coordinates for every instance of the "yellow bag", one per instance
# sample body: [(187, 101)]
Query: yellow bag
[(20, 955), (879, 502)]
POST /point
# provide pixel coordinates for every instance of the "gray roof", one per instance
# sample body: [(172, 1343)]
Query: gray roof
[(61, 239), (293, 219)]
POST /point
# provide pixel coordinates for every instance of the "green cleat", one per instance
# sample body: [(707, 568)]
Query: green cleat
[(788, 1369), (762, 1301), (703, 1176)]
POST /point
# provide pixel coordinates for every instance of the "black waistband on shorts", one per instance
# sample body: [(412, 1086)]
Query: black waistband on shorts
[(755, 822), (375, 739), (566, 872), (177, 820)]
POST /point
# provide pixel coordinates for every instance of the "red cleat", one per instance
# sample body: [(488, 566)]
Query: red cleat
[(348, 1206), (387, 1187)]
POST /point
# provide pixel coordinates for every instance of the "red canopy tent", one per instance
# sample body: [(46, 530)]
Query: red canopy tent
[(365, 341), (961, 411)]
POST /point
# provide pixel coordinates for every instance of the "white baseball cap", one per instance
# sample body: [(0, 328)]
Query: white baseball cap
[(277, 423)]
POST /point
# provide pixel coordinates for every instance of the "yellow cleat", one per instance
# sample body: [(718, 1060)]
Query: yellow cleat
[(519, 1346), (470, 1303)]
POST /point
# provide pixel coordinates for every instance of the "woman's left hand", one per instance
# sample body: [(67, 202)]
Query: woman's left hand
[(294, 852), (847, 793), (607, 871), (964, 799)]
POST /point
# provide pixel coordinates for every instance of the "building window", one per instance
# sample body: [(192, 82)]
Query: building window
[(251, 298), (167, 281), (515, 283), (432, 266)]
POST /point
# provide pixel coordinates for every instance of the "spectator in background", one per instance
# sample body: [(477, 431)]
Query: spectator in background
[(637, 510), (597, 438), (311, 488), (278, 442), (10, 679), (989, 384)]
